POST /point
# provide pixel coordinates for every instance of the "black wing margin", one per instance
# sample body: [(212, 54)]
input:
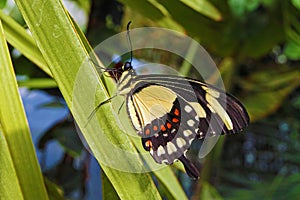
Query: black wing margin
[(224, 112)]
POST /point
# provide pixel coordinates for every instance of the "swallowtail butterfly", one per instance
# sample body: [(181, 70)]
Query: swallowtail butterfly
[(169, 112)]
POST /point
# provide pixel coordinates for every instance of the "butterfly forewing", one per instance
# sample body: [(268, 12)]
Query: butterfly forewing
[(210, 103)]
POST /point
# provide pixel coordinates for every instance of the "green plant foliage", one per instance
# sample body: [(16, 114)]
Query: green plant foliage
[(19, 159), (209, 192), (3, 3), (54, 191), (292, 51), (280, 188), (296, 3), (255, 44), (64, 52), (10, 188), (18, 37), (204, 7)]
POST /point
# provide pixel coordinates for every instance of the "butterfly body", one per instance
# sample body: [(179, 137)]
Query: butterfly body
[(169, 112)]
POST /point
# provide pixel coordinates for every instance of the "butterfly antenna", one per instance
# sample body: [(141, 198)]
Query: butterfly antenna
[(129, 40)]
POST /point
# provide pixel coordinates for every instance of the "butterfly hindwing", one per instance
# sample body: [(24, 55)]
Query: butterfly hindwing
[(169, 137)]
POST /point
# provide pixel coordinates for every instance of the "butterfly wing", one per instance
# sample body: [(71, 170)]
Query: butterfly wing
[(212, 105), (169, 112)]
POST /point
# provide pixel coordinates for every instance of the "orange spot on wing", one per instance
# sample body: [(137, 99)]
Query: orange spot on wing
[(155, 128), (147, 131), (175, 120), (148, 143), (176, 112), (169, 125), (162, 128)]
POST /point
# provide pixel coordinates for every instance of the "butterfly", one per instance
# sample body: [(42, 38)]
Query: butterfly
[(169, 112)]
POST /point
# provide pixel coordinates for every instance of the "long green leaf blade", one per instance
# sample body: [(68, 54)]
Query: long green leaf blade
[(9, 183), (16, 131), (64, 52)]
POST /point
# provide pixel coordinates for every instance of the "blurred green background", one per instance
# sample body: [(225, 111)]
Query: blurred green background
[(256, 46)]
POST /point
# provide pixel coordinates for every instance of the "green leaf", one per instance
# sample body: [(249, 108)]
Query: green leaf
[(19, 38), (240, 7), (16, 133), (291, 24), (3, 3), (204, 7), (9, 183), (63, 50), (268, 90), (55, 192), (292, 51), (38, 83), (166, 176), (209, 192), (296, 3), (260, 104), (108, 190), (154, 10), (279, 188), (257, 41)]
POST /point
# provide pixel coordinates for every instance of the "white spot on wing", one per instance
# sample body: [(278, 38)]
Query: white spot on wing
[(151, 151), (191, 122), (160, 151), (187, 133), (188, 108), (165, 161), (171, 148), (180, 142)]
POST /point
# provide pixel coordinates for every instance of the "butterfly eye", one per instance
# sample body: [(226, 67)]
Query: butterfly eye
[(127, 66)]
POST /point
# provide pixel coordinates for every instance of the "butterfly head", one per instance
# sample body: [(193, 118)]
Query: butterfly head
[(127, 66)]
